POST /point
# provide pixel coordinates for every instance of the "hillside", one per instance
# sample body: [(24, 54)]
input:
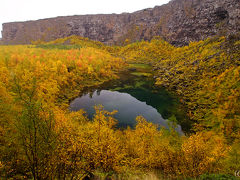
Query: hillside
[(204, 74), (41, 139)]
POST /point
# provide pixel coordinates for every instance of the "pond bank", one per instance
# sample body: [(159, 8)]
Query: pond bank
[(133, 94)]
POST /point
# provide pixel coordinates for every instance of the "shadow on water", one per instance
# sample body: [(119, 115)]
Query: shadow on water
[(134, 94)]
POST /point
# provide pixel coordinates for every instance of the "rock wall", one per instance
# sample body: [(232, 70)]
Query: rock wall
[(179, 22)]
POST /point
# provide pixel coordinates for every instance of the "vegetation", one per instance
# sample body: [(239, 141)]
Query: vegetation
[(41, 139)]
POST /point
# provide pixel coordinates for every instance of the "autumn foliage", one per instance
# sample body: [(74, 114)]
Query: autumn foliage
[(41, 139)]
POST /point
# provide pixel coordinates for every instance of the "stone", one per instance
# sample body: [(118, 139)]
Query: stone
[(178, 22)]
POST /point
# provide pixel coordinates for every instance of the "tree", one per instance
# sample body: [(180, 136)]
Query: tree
[(35, 132)]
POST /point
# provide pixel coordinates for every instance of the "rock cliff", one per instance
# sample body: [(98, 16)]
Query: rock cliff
[(178, 22)]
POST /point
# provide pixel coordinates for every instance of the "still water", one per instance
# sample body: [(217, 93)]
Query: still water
[(132, 95)]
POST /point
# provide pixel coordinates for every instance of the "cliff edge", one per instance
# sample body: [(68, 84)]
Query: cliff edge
[(178, 22)]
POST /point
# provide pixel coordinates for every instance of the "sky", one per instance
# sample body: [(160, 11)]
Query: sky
[(23, 10)]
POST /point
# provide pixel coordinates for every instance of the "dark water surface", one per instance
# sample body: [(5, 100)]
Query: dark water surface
[(132, 95)]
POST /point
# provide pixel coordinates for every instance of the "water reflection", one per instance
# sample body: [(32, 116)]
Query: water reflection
[(128, 107)]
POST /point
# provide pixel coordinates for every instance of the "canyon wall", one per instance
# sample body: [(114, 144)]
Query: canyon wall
[(178, 22)]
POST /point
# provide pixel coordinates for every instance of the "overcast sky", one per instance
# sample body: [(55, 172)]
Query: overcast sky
[(23, 10)]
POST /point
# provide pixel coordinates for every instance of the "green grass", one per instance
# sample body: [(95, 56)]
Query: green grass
[(140, 66), (141, 74), (58, 46)]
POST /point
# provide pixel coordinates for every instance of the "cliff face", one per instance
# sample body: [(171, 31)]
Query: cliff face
[(179, 22)]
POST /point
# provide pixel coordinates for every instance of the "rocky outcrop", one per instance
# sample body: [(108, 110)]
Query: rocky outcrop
[(179, 22)]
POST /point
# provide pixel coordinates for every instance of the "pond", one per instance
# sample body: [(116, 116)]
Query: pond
[(132, 95)]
